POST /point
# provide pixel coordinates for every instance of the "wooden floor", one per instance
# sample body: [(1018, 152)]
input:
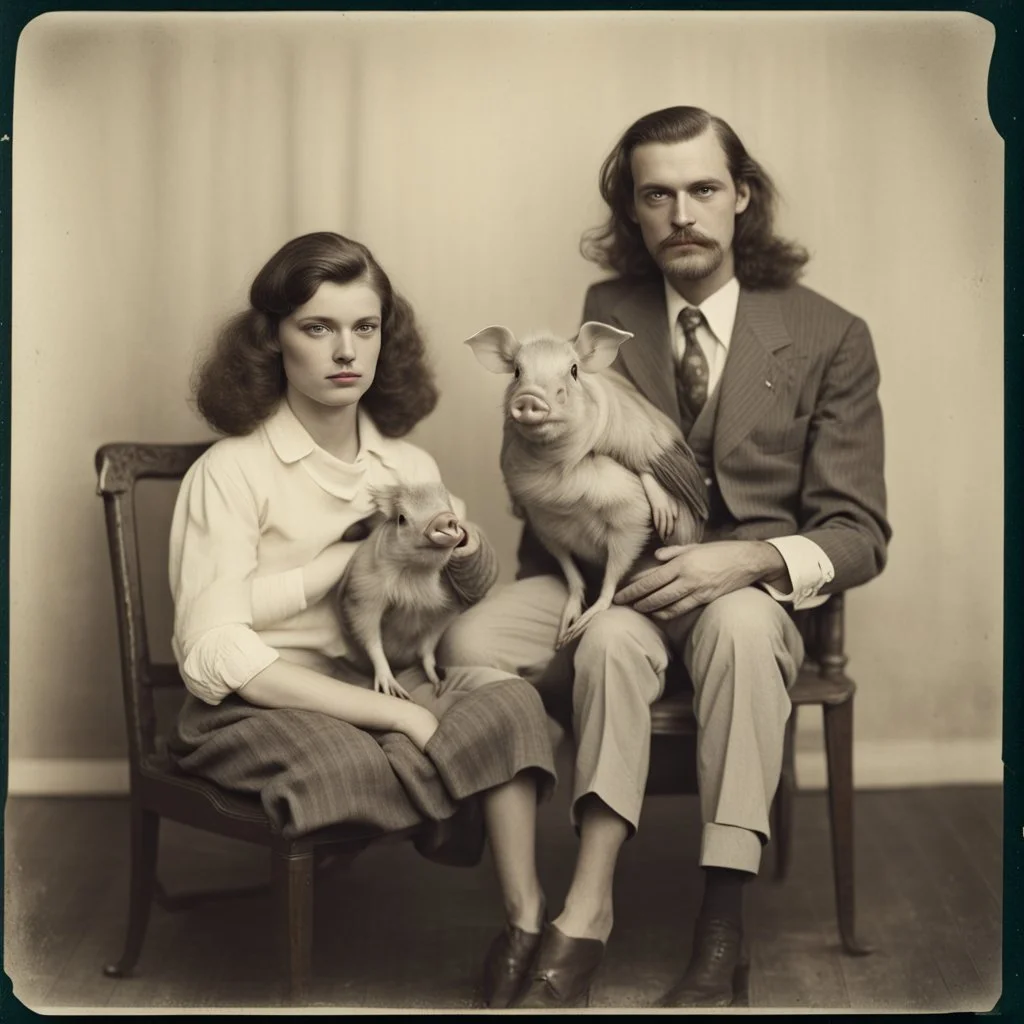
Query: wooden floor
[(400, 932)]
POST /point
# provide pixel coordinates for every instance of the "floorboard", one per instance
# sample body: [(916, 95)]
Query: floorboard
[(398, 932)]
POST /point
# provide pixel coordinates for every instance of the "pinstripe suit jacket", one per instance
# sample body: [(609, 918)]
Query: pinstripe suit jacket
[(798, 444)]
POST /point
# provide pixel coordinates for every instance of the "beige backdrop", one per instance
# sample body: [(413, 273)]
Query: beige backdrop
[(160, 159)]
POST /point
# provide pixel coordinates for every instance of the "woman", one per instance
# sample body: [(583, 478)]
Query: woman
[(315, 384)]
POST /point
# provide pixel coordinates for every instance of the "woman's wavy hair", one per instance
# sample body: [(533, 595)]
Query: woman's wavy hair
[(241, 382), (762, 258)]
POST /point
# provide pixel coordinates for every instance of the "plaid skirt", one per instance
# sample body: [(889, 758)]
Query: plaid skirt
[(312, 771)]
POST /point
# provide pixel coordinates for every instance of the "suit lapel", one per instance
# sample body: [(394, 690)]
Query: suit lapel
[(752, 375), (647, 357)]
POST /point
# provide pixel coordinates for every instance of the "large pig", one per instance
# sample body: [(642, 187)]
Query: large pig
[(394, 598), (588, 461)]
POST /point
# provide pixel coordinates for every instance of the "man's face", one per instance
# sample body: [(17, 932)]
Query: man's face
[(685, 202)]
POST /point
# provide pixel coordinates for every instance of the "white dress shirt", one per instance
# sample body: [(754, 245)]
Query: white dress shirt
[(809, 567)]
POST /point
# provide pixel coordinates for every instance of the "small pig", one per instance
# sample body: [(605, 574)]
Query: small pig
[(588, 461), (394, 599)]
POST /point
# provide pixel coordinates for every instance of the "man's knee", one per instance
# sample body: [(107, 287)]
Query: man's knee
[(621, 648), (748, 615), (513, 627), (748, 624), (467, 640), (618, 632)]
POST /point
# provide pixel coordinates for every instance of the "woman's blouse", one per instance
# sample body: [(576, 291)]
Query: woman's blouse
[(251, 513)]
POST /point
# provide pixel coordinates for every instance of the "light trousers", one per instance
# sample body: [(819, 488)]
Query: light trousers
[(742, 653)]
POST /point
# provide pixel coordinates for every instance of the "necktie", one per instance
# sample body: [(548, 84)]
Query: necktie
[(692, 368)]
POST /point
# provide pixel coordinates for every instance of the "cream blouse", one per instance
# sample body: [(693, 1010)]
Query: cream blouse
[(251, 513)]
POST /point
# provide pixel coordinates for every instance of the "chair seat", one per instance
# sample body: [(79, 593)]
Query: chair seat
[(673, 715), (165, 789)]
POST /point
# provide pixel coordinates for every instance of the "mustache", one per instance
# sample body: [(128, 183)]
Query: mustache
[(688, 236)]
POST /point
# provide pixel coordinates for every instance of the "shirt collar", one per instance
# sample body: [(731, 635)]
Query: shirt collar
[(292, 442), (719, 309)]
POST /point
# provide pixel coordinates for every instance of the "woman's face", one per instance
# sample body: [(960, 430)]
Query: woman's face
[(330, 344)]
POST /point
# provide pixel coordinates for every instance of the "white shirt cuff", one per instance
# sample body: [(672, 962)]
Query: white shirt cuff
[(809, 570), (224, 660), (277, 597)]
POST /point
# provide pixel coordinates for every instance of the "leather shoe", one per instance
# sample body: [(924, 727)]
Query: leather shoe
[(562, 972), (716, 974), (508, 960)]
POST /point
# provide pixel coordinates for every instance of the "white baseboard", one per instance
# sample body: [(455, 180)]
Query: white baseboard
[(79, 776), (904, 764), (877, 764)]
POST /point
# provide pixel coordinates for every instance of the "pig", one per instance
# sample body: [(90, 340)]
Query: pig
[(393, 598), (592, 466)]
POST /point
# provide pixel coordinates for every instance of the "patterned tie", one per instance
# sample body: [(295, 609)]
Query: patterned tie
[(692, 368)]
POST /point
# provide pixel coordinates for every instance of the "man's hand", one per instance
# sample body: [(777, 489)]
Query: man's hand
[(696, 574)]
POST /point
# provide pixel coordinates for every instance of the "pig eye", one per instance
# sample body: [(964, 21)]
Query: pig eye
[(401, 519), (575, 373), (515, 373)]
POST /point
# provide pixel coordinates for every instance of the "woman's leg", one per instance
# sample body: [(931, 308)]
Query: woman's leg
[(588, 911), (510, 813)]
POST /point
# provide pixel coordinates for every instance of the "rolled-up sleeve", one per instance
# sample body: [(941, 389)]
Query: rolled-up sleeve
[(473, 568), (213, 558)]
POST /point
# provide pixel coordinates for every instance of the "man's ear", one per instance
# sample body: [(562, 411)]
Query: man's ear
[(742, 196)]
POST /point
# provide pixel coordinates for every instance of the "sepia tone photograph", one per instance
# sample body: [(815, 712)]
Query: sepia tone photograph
[(482, 525)]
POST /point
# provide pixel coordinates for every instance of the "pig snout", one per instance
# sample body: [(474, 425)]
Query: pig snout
[(443, 530), (529, 409)]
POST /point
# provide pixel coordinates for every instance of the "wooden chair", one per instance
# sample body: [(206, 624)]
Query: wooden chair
[(158, 790), (822, 681)]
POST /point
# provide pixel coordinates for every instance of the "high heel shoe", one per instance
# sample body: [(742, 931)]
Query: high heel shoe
[(562, 973), (507, 964)]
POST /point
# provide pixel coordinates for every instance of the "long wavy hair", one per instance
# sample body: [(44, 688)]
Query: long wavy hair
[(762, 259), (242, 380)]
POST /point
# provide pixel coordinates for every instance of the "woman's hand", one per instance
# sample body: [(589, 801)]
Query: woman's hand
[(417, 723), (470, 543), (284, 684)]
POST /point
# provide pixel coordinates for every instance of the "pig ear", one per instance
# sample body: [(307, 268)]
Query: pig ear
[(362, 528), (385, 497), (598, 345), (496, 348)]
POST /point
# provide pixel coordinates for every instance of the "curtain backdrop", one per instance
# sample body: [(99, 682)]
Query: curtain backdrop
[(160, 159)]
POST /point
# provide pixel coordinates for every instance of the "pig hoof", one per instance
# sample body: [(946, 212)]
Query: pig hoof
[(567, 637), (569, 617), (390, 687)]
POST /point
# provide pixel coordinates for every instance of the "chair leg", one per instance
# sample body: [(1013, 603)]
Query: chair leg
[(145, 843), (839, 753), (292, 879), (782, 809)]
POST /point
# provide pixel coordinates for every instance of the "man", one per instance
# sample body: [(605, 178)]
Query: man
[(775, 388)]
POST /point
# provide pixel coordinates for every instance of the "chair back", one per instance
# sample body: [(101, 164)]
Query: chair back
[(119, 467), (823, 631)]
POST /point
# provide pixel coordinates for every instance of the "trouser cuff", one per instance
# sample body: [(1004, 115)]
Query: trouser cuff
[(727, 846)]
